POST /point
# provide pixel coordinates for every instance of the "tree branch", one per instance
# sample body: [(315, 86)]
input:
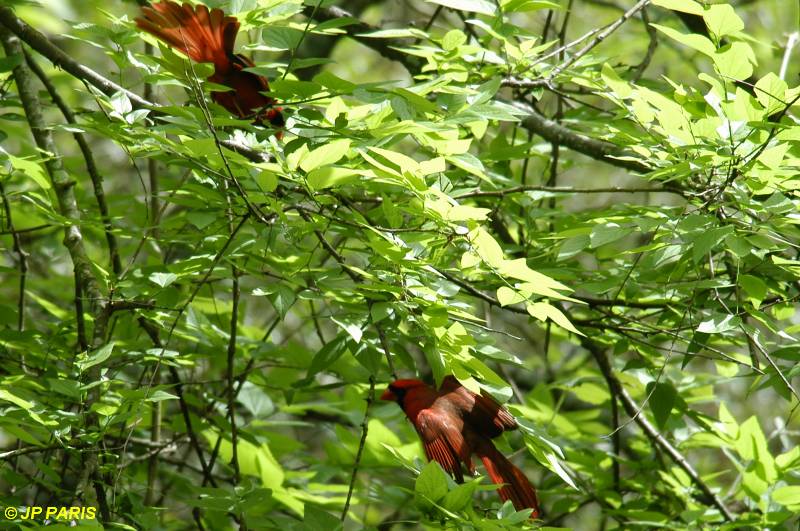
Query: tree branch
[(657, 439), (533, 121), (566, 190), (88, 157), (361, 444), (39, 42)]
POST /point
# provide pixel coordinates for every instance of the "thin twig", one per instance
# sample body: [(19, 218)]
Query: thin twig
[(152, 164), (39, 42), (27, 229), (22, 256), (83, 267), (652, 44), (787, 53), (657, 439), (616, 439), (567, 190), (611, 28), (155, 438), (386, 351), (361, 444), (152, 332), (236, 292), (88, 157)]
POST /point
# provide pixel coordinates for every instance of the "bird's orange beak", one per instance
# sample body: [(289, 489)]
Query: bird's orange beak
[(389, 395)]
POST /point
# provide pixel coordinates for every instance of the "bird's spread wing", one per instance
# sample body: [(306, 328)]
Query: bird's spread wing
[(443, 441), (489, 410), (481, 412)]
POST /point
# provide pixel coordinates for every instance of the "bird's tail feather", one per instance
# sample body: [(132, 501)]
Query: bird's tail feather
[(204, 36), (515, 486)]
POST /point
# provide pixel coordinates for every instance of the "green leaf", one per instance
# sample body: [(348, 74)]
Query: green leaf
[(331, 176), (692, 40), (256, 401), (722, 20), (431, 482), (662, 399), (519, 270), (267, 181), (317, 519), (590, 392), (751, 443), (10, 397), (160, 396), (472, 6), (354, 330), (99, 356), (685, 6), (453, 39), (620, 87), (521, 6), (770, 91), (467, 213), (326, 154), (545, 452), (254, 459), (755, 288), (544, 311), (163, 279), (403, 162), (719, 324), (201, 219), (327, 355), (279, 38), (605, 234), (31, 169), (788, 496), (487, 247), (508, 296), (294, 157), (572, 246), (282, 299), (397, 33), (327, 79), (460, 497), (9, 63), (735, 62), (120, 104), (487, 91), (708, 240)]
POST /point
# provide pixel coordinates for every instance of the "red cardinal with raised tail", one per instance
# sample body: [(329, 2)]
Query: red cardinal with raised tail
[(208, 37), (455, 423)]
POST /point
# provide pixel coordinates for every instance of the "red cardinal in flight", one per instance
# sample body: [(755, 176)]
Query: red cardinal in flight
[(208, 37), (455, 423)]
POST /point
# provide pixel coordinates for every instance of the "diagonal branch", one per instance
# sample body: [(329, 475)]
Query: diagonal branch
[(533, 121), (597, 149), (88, 157), (627, 401), (567, 190), (360, 31), (652, 433), (86, 282), (39, 42)]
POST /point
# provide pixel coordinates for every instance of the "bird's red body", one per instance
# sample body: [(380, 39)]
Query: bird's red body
[(455, 423), (208, 36)]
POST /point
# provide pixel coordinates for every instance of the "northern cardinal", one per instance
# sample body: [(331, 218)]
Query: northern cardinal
[(208, 37), (455, 423)]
